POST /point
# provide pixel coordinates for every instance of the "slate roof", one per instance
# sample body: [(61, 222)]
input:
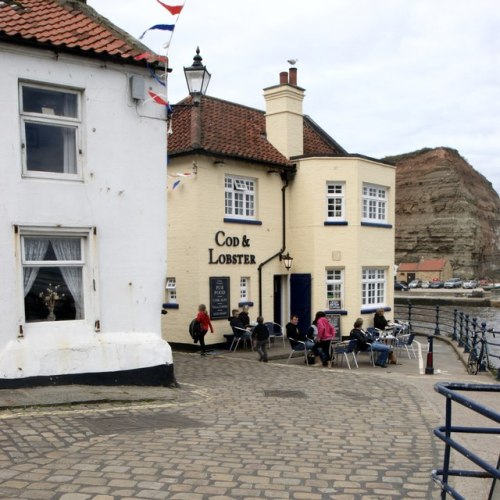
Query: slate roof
[(423, 265), (68, 25), (233, 130)]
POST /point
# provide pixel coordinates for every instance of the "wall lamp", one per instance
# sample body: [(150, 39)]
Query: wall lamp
[(287, 260), (197, 78)]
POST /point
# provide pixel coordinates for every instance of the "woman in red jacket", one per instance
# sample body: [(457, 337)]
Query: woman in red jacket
[(205, 324), (326, 333)]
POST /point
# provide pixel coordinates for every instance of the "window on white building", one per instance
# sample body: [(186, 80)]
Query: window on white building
[(53, 276), (335, 201), (244, 288), (334, 288), (50, 129), (239, 197), (373, 287), (171, 289), (374, 204)]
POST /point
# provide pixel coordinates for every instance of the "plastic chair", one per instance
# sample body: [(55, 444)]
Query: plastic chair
[(240, 334), (406, 342), (344, 348), (275, 331), (297, 346)]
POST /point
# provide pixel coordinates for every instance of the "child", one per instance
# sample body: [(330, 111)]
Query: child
[(261, 335)]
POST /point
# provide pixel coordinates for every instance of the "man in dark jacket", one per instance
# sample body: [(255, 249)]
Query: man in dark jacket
[(293, 333), (364, 342)]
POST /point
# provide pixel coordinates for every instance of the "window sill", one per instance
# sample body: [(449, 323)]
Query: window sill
[(243, 304), (377, 224), (170, 306), (336, 223), (243, 221), (369, 310), (340, 312)]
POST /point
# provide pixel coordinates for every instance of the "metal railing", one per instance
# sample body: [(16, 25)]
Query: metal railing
[(488, 471), (457, 325)]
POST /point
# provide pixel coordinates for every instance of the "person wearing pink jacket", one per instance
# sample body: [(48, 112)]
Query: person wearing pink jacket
[(326, 333)]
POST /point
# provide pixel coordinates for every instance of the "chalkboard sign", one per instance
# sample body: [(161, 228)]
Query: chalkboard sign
[(219, 298), (334, 319)]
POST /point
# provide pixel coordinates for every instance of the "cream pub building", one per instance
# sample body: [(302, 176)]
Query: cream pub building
[(256, 187)]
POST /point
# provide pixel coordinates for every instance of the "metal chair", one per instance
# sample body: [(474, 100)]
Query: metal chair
[(297, 346), (344, 348), (406, 342), (240, 334), (275, 331)]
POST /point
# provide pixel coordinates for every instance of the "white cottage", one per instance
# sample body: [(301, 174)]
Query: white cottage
[(82, 207)]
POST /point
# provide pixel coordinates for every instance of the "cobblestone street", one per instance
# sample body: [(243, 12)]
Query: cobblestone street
[(235, 429)]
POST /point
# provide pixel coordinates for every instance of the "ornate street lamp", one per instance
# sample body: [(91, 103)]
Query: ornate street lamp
[(197, 78), (287, 260)]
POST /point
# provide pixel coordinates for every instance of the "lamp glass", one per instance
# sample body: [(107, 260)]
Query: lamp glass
[(287, 260)]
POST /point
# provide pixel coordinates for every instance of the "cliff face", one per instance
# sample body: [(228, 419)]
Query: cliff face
[(445, 209)]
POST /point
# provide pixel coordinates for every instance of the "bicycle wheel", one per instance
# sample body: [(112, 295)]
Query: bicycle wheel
[(473, 363)]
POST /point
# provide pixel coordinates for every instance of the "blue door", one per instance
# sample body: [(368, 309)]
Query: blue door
[(300, 299)]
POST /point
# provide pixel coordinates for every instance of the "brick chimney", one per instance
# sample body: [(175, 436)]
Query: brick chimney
[(284, 116)]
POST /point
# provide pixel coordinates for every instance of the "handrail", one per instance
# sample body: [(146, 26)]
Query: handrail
[(441, 476)]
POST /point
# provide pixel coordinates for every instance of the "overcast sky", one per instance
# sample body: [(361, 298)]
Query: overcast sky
[(382, 77)]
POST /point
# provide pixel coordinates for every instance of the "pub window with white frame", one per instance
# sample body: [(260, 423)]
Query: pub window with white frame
[(373, 287), (171, 290), (239, 197), (54, 276), (374, 203), (335, 200), (50, 130), (244, 288), (334, 288)]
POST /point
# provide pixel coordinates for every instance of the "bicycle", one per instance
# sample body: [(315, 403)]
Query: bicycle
[(479, 361)]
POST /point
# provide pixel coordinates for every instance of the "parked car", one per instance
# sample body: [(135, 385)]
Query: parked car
[(453, 283), (425, 284), (470, 284), (415, 284), (436, 284), (399, 286)]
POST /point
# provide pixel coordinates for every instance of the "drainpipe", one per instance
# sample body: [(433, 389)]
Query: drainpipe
[(286, 176)]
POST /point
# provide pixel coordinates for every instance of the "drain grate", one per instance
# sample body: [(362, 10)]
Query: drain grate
[(124, 423), (285, 394)]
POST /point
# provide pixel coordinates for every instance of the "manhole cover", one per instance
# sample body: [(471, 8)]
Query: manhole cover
[(284, 394), (127, 423)]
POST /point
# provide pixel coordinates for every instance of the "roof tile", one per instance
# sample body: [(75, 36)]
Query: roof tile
[(67, 24)]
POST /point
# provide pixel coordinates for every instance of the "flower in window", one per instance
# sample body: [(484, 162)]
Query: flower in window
[(50, 296)]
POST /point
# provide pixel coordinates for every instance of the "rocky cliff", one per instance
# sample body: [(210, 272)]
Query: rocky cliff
[(445, 209)]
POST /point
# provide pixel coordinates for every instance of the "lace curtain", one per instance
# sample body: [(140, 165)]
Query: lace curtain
[(34, 249)]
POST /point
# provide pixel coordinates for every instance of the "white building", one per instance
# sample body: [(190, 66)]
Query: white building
[(83, 209)]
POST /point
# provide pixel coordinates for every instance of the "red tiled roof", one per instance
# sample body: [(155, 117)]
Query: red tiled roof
[(67, 25), (424, 265), (237, 131)]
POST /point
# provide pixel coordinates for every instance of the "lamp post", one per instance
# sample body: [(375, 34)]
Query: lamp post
[(197, 78), (287, 260)]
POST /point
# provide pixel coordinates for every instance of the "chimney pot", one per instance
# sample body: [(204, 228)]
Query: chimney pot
[(283, 78), (293, 76)]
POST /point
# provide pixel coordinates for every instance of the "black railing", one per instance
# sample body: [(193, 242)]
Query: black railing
[(457, 325), (487, 470)]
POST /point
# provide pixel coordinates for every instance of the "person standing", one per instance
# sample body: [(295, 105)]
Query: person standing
[(326, 333), (261, 336), (205, 325)]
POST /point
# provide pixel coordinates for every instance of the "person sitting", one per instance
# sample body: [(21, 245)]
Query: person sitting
[(326, 333), (244, 317), (382, 323), (293, 333), (364, 342), (239, 329)]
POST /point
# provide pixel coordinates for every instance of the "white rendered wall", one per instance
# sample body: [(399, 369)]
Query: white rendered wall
[(122, 195)]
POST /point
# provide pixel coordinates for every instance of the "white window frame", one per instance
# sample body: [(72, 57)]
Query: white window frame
[(240, 195), (375, 203), (244, 288), (171, 288), (334, 286), (373, 287), (48, 118), (89, 311), (335, 194)]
